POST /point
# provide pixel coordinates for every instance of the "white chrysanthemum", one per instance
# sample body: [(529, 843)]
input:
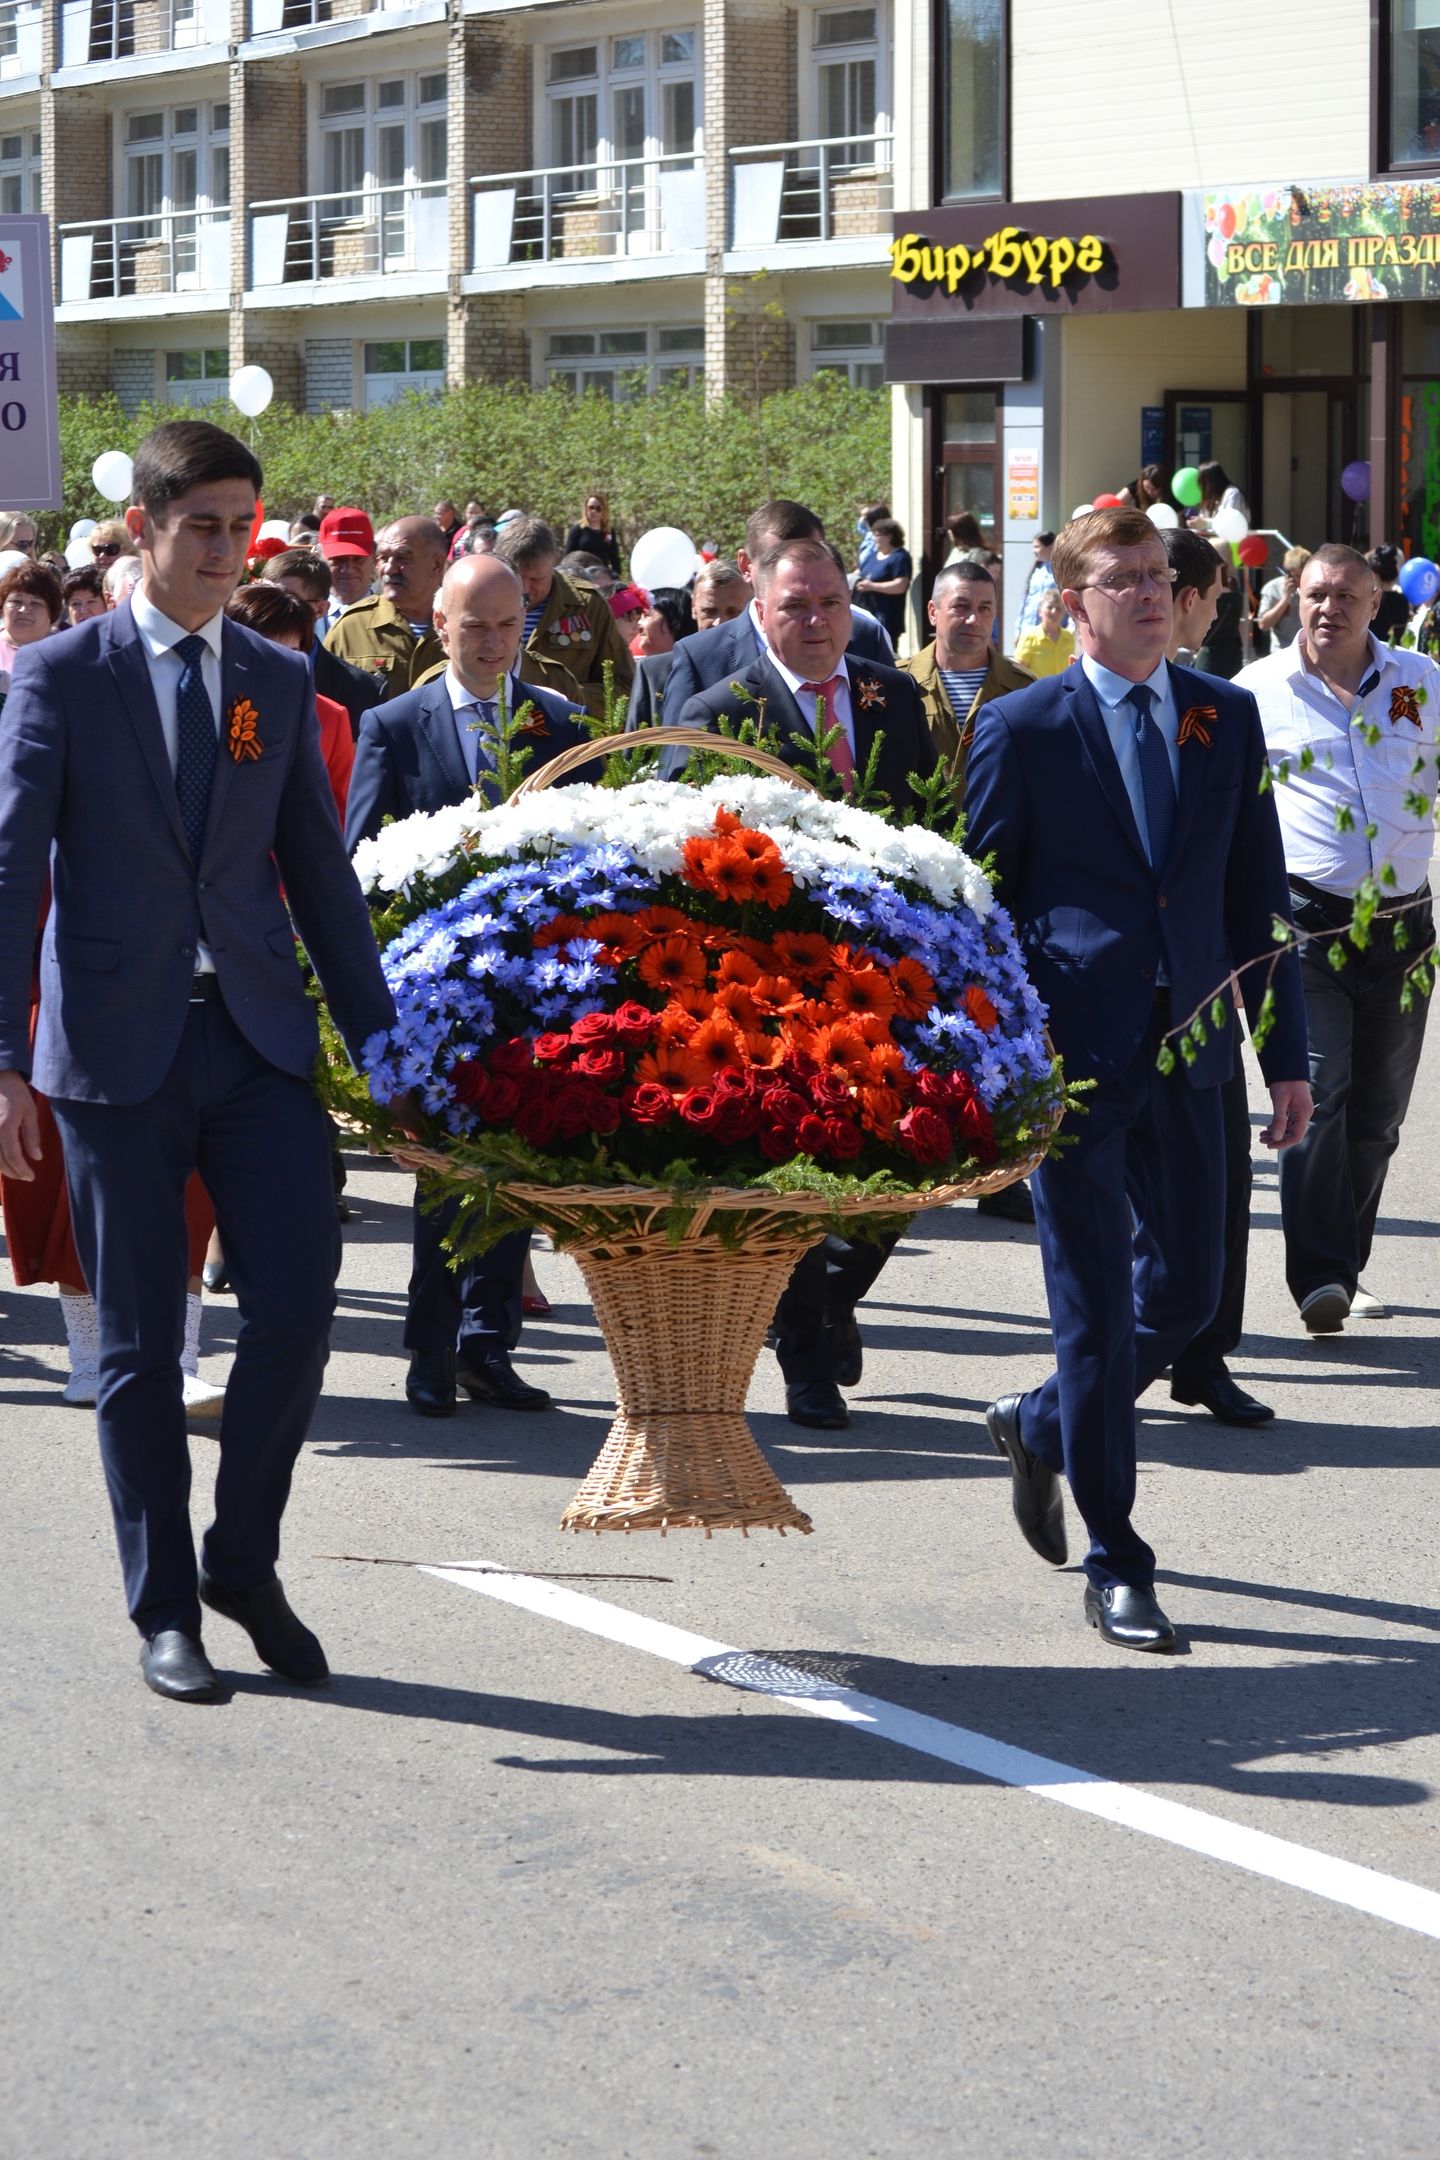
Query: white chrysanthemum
[(652, 819)]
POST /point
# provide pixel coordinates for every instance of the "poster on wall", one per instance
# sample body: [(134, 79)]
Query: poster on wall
[(1304, 243), (1022, 487), (29, 416)]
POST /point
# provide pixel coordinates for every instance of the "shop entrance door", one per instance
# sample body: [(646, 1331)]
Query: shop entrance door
[(1205, 424), (1310, 434), (966, 436)]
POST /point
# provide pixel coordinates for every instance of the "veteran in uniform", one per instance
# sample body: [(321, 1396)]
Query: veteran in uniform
[(392, 635), (962, 669), (570, 632)]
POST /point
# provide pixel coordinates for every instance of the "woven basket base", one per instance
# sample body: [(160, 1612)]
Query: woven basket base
[(684, 1326)]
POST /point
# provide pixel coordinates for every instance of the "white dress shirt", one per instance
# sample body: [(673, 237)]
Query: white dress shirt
[(509, 695), (158, 639), (807, 700), (1299, 711), (1112, 691)]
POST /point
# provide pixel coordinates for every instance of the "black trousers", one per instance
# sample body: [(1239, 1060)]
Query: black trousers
[(828, 1282), (477, 1303), (1364, 1052), (1216, 1342)]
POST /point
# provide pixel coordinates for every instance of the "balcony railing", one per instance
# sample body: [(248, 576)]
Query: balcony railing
[(169, 251), (107, 30), (20, 29), (365, 232), (837, 187), (572, 213), (266, 17)]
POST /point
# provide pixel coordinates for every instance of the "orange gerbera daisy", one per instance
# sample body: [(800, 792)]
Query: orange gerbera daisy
[(862, 991), (738, 967), (683, 1013), (714, 1043), (888, 1061), (804, 954), (661, 921), (842, 1049), (980, 1008), (721, 868), (770, 882), (622, 935), (914, 989), (777, 994), (664, 1067), (879, 1110), (559, 931), (671, 963), (736, 1000)]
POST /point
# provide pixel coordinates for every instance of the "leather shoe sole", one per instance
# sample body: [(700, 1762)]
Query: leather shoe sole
[(282, 1641), (497, 1383), (1224, 1398), (428, 1401), (818, 1404), (1129, 1618), (1034, 1489), (174, 1664)]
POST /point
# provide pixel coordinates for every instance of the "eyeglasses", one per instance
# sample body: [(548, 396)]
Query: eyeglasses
[(1120, 584), (106, 547)]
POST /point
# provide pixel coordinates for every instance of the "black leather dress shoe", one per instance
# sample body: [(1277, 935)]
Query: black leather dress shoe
[(214, 1277), (281, 1641), (430, 1386), (1128, 1617), (1220, 1394), (493, 1379), (175, 1664), (817, 1403), (846, 1349), (1034, 1490), (1014, 1204)]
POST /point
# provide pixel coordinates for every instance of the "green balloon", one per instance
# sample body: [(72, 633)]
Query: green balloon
[(1185, 486)]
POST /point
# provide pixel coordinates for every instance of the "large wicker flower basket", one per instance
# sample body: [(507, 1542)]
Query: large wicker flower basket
[(684, 1317)]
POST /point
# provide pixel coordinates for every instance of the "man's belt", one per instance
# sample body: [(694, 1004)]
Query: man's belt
[(1339, 907)]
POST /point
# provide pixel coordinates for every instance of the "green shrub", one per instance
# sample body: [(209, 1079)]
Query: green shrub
[(668, 459)]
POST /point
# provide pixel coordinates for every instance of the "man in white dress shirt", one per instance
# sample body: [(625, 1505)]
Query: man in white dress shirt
[(1347, 722)]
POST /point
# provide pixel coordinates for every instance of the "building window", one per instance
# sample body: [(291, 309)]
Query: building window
[(20, 172), (851, 350), (846, 48), (975, 123), (20, 32), (198, 377), (394, 366), (1408, 86), (175, 182), (620, 100), (382, 134), (622, 364)]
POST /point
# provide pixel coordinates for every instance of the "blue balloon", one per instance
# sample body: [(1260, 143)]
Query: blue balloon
[(1419, 580)]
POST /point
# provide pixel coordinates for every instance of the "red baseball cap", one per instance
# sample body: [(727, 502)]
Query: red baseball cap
[(346, 532)]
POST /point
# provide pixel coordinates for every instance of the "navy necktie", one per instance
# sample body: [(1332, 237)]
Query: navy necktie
[(195, 743), (1156, 779)]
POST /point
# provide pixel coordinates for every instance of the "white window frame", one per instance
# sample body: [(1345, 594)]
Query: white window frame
[(430, 381), (206, 388), (371, 119), (22, 172), (653, 74), (208, 142), (849, 358), (600, 370), (20, 32), (814, 56)]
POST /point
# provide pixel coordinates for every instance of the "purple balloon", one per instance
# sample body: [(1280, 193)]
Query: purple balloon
[(1356, 480), (1419, 580)]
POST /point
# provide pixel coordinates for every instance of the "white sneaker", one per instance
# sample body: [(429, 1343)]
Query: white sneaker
[(202, 1398), (1365, 1306), (82, 1390), (1326, 1310)]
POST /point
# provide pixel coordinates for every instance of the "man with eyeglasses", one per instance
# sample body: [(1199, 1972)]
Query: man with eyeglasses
[(1122, 804)]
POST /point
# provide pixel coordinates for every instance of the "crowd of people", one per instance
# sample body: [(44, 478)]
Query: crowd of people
[(1120, 787)]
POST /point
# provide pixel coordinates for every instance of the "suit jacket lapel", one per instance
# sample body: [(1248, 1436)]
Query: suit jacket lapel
[(437, 725), (1187, 690), (782, 709), (132, 679), (1085, 712), (237, 680)]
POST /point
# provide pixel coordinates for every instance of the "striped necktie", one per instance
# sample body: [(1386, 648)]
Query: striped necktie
[(195, 745)]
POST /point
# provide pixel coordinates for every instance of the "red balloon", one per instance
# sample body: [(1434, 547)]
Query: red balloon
[(1106, 502), (1254, 552), (1227, 221)]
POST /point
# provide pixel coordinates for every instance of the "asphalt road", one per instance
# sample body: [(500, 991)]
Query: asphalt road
[(513, 1889)]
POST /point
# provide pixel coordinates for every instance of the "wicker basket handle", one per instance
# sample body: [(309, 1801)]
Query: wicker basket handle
[(680, 738)]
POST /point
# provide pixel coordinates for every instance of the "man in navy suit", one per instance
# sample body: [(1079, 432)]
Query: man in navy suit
[(165, 764), (713, 656), (424, 751), (805, 682), (1140, 861)]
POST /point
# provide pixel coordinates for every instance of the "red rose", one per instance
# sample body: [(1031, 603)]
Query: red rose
[(511, 1057), (977, 1130), (604, 1112), (697, 1107), (501, 1099), (812, 1136), (467, 1080), (777, 1142), (846, 1138), (932, 1087), (781, 1107), (737, 1117), (550, 1049), (601, 1065), (925, 1134), (634, 1024), (572, 1109), (596, 1027), (798, 1067), (648, 1104), (731, 1081), (535, 1120), (829, 1092)]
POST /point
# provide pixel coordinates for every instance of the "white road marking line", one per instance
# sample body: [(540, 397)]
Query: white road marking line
[(1363, 1889)]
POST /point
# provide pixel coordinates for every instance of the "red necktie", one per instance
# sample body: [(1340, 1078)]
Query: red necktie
[(841, 756)]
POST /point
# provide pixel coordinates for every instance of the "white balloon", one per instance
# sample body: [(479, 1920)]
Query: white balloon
[(274, 529), (82, 528), (663, 556), (11, 559), (251, 390), (112, 474), (1230, 525), (78, 554), (1082, 510), (1162, 517)]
